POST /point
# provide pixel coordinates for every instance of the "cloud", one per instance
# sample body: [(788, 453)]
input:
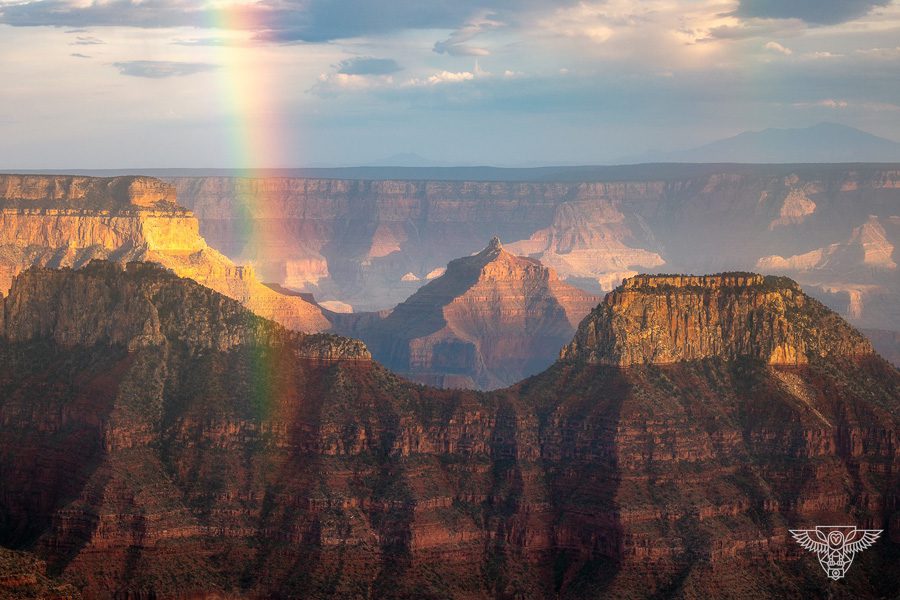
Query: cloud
[(822, 55), (204, 42), (826, 103), (160, 69), (78, 15), (274, 20), (871, 53), (456, 44), (86, 40), (366, 65), (754, 28), (79, 55), (818, 12), (444, 77), (776, 47)]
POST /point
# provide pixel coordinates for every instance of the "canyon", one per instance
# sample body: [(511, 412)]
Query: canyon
[(67, 221), (159, 440), (368, 241)]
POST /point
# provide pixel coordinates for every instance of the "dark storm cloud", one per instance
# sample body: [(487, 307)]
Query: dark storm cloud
[(273, 20), (159, 69), (365, 65), (819, 12)]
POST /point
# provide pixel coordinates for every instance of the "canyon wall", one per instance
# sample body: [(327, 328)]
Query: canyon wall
[(67, 221), (201, 466), (371, 243)]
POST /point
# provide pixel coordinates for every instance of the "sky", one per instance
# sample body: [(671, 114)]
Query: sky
[(289, 83)]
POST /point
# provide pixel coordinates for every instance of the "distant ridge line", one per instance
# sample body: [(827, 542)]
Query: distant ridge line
[(631, 172)]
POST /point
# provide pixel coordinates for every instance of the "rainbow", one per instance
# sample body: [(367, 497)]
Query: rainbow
[(260, 137), (256, 136), (256, 127)]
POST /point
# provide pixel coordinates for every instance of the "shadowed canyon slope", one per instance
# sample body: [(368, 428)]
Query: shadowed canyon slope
[(179, 445), (371, 243), (66, 221), (490, 320)]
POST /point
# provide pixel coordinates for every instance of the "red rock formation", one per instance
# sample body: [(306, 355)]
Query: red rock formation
[(63, 221), (195, 467), (490, 320), (725, 316)]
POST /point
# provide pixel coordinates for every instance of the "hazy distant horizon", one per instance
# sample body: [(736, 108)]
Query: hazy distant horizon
[(747, 148)]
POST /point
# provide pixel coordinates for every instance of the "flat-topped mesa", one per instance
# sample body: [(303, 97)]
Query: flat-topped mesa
[(61, 192), (662, 319), (146, 305)]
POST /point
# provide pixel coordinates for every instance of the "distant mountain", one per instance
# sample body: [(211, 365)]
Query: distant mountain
[(822, 143), (407, 159)]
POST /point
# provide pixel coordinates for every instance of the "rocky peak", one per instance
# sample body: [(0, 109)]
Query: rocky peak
[(663, 319), (489, 320)]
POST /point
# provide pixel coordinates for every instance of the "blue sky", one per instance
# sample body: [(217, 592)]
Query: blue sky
[(177, 83)]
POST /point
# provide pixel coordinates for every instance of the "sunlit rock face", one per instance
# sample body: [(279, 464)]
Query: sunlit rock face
[(589, 240), (857, 276), (663, 319), (488, 321), (372, 243), (159, 440), (62, 221)]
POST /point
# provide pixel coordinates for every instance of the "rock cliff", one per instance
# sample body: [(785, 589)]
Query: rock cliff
[(489, 320), (86, 193), (660, 319), (67, 221), (358, 241), (229, 467)]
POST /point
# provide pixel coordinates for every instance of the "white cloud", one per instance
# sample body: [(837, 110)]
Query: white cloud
[(826, 103), (776, 47), (822, 55), (329, 84), (444, 77)]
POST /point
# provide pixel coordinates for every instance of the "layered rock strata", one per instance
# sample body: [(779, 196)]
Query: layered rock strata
[(661, 319), (67, 221), (221, 464), (358, 241)]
